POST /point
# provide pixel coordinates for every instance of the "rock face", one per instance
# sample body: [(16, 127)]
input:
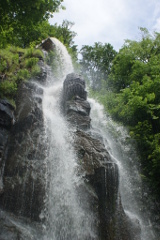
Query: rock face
[(24, 173), (6, 122), (101, 173), (75, 106)]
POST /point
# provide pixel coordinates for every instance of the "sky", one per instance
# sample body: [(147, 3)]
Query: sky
[(109, 21)]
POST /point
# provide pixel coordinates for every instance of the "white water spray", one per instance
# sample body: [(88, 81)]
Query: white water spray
[(124, 154), (66, 218)]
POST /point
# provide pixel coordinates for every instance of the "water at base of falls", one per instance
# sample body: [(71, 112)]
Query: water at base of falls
[(66, 216), (122, 151)]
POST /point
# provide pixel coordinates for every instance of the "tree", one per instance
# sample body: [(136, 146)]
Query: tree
[(21, 17), (97, 61), (133, 61), (28, 11), (135, 81), (64, 33)]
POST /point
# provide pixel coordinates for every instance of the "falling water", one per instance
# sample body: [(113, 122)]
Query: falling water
[(122, 151), (65, 216)]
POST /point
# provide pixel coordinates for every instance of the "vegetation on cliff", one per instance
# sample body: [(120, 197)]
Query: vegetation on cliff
[(23, 26), (17, 65)]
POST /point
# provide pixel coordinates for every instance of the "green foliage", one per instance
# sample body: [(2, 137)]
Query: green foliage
[(135, 101), (19, 19), (3, 65), (26, 25), (133, 98), (17, 65), (35, 70), (8, 89), (96, 62), (23, 74), (32, 52), (30, 62), (65, 34)]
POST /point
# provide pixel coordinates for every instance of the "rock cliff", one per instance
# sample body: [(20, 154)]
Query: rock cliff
[(6, 122), (22, 155)]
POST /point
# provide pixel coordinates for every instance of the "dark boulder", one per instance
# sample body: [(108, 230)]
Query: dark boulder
[(74, 85), (47, 44)]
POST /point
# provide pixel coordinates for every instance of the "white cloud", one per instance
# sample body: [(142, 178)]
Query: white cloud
[(109, 21)]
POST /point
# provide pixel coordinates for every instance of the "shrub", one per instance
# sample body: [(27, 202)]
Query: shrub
[(8, 89), (30, 62), (23, 74)]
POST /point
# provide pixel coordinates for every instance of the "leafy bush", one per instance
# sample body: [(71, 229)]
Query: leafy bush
[(35, 70), (3, 65), (31, 52), (23, 74), (8, 89), (17, 65), (30, 62)]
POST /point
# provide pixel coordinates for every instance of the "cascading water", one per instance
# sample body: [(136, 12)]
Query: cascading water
[(78, 206), (65, 216), (116, 140)]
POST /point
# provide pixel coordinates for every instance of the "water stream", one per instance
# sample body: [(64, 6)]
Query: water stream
[(123, 152)]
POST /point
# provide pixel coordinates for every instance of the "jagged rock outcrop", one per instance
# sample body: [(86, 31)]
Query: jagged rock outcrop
[(101, 173), (75, 105)]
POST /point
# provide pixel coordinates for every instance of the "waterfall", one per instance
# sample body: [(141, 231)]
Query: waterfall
[(66, 217), (122, 151), (62, 182)]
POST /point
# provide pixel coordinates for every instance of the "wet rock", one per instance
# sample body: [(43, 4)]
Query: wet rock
[(90, 151), (74, 86), (47, 44), (41, 77), (6, 114), (18, 229), (75, 106), (95, 164), (6, 121), (25, 168)]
